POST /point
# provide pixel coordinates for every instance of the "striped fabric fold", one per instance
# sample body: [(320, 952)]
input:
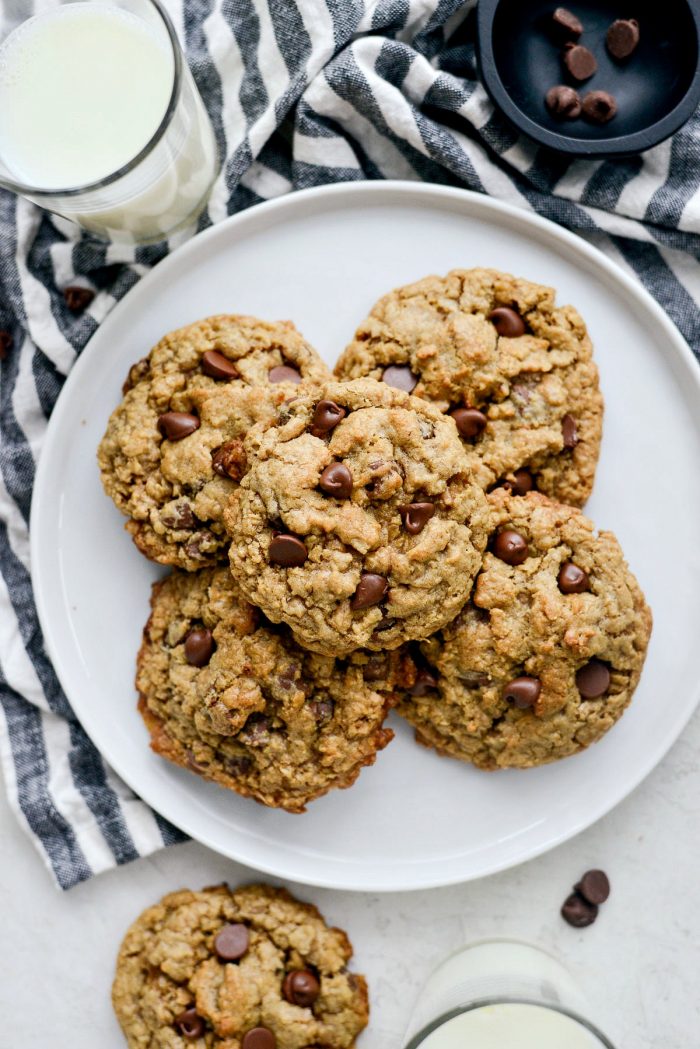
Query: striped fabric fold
[(300, 95)]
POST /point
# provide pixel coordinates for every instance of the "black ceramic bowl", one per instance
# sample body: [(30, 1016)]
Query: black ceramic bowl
[(656, 89)]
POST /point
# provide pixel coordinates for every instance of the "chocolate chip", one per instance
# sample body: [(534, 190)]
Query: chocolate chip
[(259, 1038), (176, 425), (199, 647), (287, 551), (400, 376), (569, 432), (507, 322), (370, 591), (322, 710), (622, 37), (216, 366), (375, 669), (580, 62), (283, 373), (190, 1024), (566, 23), (522, 483), (578, 912), (563, 102), (415, 516), (470, 421), (425, 682), (336, 480), (523, 692), (77, 298), (230, 460), (5, 344), (572, 579), (231, 942), (593, 679), (301, 988), (594, 887), (599, 106), (256, 731), (326, 417), (509, 546), (179, 517)]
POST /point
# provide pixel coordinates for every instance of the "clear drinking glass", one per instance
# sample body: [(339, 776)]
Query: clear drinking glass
[(502, 994), (162, 188)]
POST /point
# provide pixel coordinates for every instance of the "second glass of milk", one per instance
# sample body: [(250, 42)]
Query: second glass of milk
[(502, 994), (100, 119)]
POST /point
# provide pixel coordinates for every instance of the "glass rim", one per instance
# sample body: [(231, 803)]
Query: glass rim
[(24, 189), (481, 1003)]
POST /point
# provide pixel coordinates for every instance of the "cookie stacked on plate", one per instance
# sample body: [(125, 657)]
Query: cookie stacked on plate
[(404, 533)]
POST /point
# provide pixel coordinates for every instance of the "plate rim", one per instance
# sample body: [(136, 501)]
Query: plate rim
[(675, 349)]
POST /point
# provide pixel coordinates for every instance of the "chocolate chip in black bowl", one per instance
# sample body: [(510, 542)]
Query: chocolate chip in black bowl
[(656, 88)]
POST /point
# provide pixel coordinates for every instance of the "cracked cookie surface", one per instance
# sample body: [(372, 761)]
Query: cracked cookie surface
[(515, 369), (546, 656), (205, 968), (236, 700), (172, 452), (357, 523)]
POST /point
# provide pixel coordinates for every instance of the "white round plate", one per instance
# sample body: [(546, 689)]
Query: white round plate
[(322, 257)]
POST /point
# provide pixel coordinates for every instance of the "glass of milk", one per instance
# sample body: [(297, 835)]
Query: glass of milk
[(502, 994), (100, 119)]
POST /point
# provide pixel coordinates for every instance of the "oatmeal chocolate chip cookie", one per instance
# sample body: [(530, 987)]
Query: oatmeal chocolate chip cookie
[(248, 968), (236, 700), (514, 371), (173, 448), (358, 523), (546, 656)]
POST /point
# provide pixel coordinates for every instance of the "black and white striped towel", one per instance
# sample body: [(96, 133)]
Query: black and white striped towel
[(300, 94)]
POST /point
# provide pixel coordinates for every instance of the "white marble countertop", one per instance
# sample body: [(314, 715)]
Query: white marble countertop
[(639, 964)]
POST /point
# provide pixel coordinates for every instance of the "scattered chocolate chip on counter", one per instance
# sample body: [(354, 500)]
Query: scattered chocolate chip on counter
[(622, 38), (565, 23), (579, 61), (77, 298), (5, 344), (563, 102), (580, 908), (599, 106)]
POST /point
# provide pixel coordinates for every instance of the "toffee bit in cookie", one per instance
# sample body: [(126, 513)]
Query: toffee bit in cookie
[(199, 647), (259, 1038), (415, 516), (190, 1024), (301, 988), (470, 421), (336, 480), (594, 886), (622, 38), (230, 460), (326, 417), (572, 579), (231, 942), (566, 24), (523, 692), (599, 106), (371, 590), (176, 425), (400, 377), (287, 551), (563, 102), (507, 322), (579, 61), (593, 679), (569, 432), (78, 298), (283, 373), (522, 482), (509, 546), (578, 912), (216, 366)]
